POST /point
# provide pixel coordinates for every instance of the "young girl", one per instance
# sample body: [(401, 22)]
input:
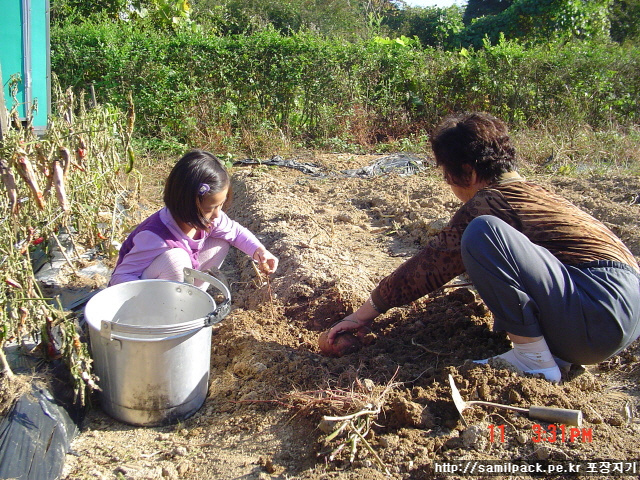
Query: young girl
[(191, 230)]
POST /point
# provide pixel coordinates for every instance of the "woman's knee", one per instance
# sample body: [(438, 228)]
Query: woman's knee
[(479, 231), (480, 227)]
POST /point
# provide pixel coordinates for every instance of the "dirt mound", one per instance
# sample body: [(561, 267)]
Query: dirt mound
[(336, 237)]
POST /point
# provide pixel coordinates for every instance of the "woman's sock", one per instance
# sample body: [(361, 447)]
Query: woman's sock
[(533, 357)]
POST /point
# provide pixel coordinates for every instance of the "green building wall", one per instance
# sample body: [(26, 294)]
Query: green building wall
[(24, 50)]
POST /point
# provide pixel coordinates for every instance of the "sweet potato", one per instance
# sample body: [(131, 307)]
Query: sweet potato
[(344, 344)]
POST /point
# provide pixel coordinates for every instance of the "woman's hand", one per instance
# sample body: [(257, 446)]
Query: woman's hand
[(358, 322), (267, 262), (348, 324)]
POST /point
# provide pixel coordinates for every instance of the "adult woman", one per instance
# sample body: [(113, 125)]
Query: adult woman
[(561, 284)]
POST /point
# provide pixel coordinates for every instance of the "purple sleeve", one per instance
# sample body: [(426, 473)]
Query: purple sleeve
[(234, 233), (146, 247)]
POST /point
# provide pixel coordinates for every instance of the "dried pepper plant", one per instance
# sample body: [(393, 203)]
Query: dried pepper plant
[(76, 179)]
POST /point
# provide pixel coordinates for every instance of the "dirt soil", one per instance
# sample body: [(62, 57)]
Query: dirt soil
[(336, 237)]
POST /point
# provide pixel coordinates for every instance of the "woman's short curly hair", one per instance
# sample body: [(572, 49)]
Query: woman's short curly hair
[(473, 141)]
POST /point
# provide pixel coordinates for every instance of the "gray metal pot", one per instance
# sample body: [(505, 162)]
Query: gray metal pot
[(151, 347)]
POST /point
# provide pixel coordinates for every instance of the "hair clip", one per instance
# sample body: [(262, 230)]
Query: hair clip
[(203, 188)]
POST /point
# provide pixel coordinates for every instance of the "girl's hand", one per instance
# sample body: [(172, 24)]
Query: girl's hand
[(267, 262)]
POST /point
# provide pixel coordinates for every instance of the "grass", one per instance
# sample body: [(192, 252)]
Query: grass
[(580, 150)]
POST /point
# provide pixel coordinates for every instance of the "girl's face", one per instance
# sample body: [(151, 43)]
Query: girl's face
[(212, 204)]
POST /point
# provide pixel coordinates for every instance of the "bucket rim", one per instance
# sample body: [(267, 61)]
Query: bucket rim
[(95, 318)]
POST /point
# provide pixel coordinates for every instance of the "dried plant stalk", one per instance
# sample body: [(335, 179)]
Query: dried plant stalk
[(28, 217), (264, 279), (356, 411)]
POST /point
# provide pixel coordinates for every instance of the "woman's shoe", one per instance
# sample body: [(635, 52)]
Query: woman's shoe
[(552, 373)]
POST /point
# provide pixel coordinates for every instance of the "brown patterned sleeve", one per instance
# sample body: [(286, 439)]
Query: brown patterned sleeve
[(440, 261), (570, 234)]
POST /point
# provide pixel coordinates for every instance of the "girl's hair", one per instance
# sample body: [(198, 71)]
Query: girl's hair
[(473, 141), (186, 182)]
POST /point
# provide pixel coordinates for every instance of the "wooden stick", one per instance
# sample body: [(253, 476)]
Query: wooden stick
[(64, 254)]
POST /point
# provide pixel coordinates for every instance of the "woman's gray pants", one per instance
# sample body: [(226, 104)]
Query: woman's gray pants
[(586, 313)]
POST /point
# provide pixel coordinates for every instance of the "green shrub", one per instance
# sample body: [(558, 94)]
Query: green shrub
[(217, 92), (538, 21)]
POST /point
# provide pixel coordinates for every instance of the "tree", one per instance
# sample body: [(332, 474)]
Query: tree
[(434, 27), (539, 20), (625, 20), (482, 8), (77, 10), (330, 17)]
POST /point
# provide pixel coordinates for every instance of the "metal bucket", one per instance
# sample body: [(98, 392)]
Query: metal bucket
[(151, 347)]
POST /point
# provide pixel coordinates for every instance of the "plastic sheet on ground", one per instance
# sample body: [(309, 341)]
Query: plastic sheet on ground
[(403, 164), (48, 267), (278, 161), (35, 437)]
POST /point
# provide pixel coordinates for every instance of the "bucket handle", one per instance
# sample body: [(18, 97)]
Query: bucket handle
[(221, 310), (110, 330)]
